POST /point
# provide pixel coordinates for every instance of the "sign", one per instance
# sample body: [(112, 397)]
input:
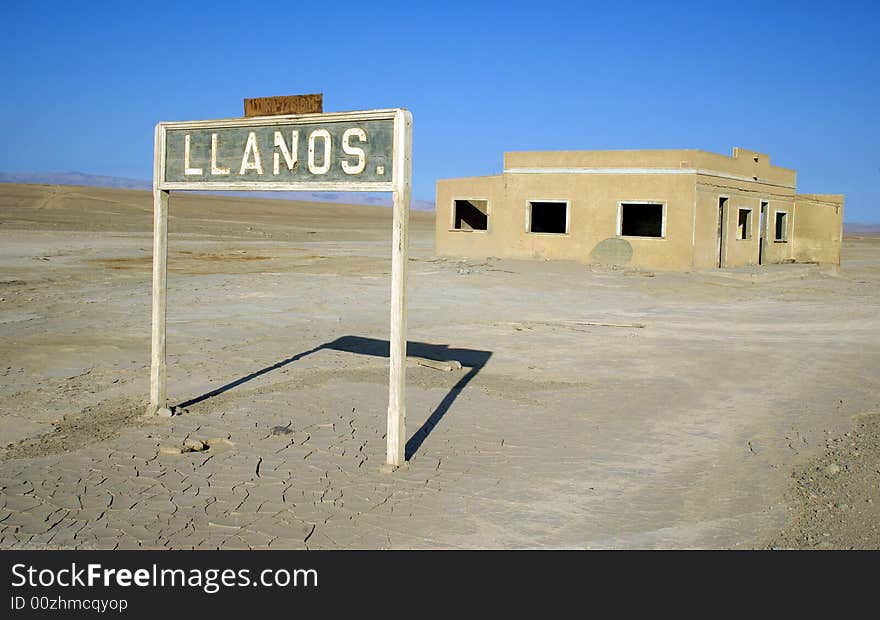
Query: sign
[(339, 152), (288, 104), (347, 151)]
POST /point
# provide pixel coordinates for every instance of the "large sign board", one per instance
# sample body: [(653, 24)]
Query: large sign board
[(339, 152), (347, 151)]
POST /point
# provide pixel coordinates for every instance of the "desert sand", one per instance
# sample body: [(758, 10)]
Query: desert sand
[(711, 421)]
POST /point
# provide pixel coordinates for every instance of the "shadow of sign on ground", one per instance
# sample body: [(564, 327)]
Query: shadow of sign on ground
[(473, 360)]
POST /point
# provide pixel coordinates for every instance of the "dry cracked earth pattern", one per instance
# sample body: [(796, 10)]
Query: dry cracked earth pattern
[(728, 409)]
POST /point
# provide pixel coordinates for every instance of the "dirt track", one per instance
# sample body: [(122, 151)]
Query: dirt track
[(683, 433)]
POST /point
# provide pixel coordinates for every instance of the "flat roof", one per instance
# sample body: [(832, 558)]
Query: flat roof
[(743, 164)]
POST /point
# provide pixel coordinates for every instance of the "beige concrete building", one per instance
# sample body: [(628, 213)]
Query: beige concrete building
[(676, 209)]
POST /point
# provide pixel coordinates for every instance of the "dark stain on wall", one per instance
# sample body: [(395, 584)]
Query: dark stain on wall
[(612, 251)]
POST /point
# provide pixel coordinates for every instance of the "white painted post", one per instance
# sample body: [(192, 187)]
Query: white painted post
[(158, 382), (158, 375), (396, 453)]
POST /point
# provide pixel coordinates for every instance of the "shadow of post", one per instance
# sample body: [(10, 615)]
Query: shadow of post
[(472, 359), (246, 378)]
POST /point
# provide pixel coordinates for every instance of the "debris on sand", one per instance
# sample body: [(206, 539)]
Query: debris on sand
[(194, 445), (446, 366), (840, 509), (831, 469)]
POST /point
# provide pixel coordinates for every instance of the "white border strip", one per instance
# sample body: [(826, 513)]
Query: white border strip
[(285, 119), (270, 186), (710, 173)]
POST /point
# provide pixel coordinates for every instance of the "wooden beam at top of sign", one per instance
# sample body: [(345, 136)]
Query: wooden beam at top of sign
[(291, 104)]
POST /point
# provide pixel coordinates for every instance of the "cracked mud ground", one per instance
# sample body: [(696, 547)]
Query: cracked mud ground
[(686, 432)]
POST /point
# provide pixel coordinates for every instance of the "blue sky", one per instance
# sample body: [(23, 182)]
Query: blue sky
[(84, 83)]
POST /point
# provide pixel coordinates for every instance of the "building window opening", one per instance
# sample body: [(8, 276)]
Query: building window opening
[(744, 224), (471, 215), (781, 226), (641, 219), (548, 217)]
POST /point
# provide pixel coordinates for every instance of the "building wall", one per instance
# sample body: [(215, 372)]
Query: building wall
[(705, 227), (593, 205), (738, 252), (468, 243), (776, 251), (817, 228), (689, 184)]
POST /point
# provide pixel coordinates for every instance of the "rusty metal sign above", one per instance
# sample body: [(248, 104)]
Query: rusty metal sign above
[(350, 151)]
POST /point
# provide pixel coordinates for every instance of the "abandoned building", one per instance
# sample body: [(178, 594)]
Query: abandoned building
[(666, 209)]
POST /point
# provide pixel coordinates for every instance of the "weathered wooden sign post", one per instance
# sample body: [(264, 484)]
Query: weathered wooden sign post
[(347, 151)]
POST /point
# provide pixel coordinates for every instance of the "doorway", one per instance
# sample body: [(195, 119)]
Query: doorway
[(722, 231), (762, 231)]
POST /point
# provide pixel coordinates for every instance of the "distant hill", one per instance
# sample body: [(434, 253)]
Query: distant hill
[(73, 178), (379, 199), (856, 228)]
